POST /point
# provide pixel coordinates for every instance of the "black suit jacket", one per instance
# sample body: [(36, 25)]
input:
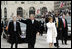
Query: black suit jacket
[(59, 23), (11, 29), (31, 30), (66, 28), (2, 27)]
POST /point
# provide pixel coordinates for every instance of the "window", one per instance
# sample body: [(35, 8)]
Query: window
[(43, 10), (5, 13), (20, 11), (22, 2), (31, 10), (41, 2)]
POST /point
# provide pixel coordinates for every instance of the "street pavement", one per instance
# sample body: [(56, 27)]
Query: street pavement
[(40, 43)]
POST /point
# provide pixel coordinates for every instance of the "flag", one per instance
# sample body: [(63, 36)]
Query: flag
[(61, 4), (38, 11)]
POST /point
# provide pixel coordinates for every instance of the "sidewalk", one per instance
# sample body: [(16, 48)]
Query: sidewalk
[(40, 43)]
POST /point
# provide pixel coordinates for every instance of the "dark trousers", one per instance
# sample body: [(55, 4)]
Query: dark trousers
[(14, 40), (41, 30), (65, 40), (57, 38), (15, 45), (31, 45), (64, 36), (1, 31), (31, 42), (56, 44)]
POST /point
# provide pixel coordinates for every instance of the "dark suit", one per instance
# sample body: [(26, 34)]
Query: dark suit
[(41, 28), (2, 27), (14, 35), (5, 25), (64, 31), (58, 31), (31, 31)]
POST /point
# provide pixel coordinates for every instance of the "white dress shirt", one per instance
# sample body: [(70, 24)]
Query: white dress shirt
[(15, 26), (56, 19), (32, 21), (62, 19)]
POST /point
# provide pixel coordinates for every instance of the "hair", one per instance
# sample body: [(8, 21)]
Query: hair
[(49, 18), (31, 14)]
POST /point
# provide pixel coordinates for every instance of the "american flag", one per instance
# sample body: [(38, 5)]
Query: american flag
[(38, 11), (61, 4)]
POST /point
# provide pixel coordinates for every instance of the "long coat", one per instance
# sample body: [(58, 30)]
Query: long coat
[(12, 33), (31, 30), (64, 30), (58, 28), (51, 33), (2, 27)]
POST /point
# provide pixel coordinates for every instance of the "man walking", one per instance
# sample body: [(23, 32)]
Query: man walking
[(14, 31), (32, 29)]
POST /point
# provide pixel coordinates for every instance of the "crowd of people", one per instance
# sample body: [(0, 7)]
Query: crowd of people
[(56, 29), (61, 27)]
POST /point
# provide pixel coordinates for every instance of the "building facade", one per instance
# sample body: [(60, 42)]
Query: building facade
[(67, 5), (24, 8)]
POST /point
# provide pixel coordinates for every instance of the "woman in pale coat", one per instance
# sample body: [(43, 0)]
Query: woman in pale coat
[(51, 32)]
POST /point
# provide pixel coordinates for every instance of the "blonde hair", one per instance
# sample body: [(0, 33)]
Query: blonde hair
[(49, 18)]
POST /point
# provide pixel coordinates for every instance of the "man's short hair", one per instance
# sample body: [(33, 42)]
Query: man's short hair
[(32, 14)]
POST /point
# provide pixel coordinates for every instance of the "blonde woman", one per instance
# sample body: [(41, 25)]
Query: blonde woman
[(51, 32)]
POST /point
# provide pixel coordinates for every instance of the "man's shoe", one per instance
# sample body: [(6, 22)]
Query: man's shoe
[(56, 46), (62, 43), (66, 44)]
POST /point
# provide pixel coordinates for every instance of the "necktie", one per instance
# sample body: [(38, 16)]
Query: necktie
[(64, 23), (14, 26), (32, 21), (57, 22)]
